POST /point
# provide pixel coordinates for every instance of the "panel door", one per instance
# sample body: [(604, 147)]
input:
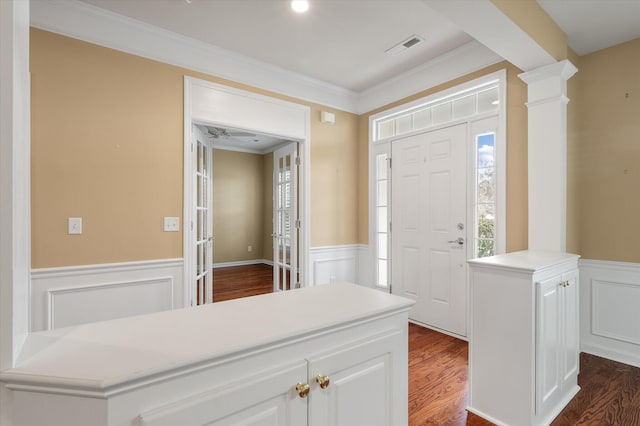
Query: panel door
[(548, 343), (268, 399), (570, 330), (286, 233), (429, 226), (361, 387)]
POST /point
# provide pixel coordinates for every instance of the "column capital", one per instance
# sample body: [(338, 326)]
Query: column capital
[(563, 70)]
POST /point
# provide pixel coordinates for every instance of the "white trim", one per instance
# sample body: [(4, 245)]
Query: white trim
[(15, 184), (336, 263), (607, 322), (112, 281), (86, 22), (243, 263), (263, 114), (500, 150)]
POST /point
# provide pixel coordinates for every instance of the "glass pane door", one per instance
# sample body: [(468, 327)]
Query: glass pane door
[(285, 217), (203, 223)]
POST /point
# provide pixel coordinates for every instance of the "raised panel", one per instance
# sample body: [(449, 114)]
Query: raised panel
[(440, 201), (440, 277), (410, 264), (571, 330), (267, 399), (548, 343), (100, 302), (615, 312), (410, 187), (361, 390)]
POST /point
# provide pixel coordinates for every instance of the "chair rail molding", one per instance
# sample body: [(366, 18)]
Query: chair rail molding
[(609, 315)]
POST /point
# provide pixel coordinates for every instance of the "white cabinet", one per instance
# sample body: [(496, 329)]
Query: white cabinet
[(320, 356), (524, 342)]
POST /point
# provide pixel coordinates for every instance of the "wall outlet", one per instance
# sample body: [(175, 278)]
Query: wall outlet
[(74, 226), (249, 249), (171, 224)]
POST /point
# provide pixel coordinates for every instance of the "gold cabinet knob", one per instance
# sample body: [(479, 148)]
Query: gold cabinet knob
[(323, 381), (302, 389)]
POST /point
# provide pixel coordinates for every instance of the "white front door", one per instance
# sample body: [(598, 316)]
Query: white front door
[(285, 218), (202, 229), (429, 226)]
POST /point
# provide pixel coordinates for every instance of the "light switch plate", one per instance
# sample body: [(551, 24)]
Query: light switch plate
[(75, 226), (171, 224)]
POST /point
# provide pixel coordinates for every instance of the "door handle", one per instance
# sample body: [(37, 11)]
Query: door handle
[(459, 241)]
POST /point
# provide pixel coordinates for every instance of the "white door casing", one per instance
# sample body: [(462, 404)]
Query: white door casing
[(210, 103), (285, 217), (429, 217)]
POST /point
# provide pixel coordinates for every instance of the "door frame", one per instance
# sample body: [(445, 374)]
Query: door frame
[(226, 106), (501, 158)]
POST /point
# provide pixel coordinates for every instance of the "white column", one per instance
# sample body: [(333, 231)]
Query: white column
[(15, 219), (547, 147)]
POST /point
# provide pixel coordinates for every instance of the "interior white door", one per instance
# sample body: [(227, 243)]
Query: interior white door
[(202, 236), (429, 208), (286, 225)]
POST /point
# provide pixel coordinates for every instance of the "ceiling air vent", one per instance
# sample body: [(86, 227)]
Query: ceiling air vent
[(404, 45)]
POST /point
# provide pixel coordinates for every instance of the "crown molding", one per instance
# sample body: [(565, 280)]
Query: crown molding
[(89, 23)]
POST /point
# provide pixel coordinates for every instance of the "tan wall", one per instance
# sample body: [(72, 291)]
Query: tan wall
[(267, 189), (516, 154), (238, 206), (537, 23), (107, 147), (608, 153)]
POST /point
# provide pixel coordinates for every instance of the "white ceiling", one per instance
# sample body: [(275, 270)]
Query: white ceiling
[(242, 140), (343, 42), (592, 25)]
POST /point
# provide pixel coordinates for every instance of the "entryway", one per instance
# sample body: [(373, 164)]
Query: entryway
[(222, 110), (429, 210)]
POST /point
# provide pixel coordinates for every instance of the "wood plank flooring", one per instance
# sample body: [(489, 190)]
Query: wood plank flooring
[(241, 281), (438, 366)]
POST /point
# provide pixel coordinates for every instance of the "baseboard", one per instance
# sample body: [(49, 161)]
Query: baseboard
[(72, 295), (243, 263), (609, 314)]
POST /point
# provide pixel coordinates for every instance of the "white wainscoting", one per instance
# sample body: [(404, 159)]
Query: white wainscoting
[(72, 295), (338, 263), (610, 310)]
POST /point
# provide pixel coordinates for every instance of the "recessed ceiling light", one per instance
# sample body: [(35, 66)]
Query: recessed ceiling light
[(300, 6)]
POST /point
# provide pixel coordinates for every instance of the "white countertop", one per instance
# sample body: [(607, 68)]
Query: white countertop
[(527, 260), (105, 354)]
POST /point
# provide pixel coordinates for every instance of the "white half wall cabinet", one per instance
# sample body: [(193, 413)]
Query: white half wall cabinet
[(524, 345), (331, 354)]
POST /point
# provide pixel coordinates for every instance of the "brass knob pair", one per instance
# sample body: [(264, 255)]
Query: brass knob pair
[(304, 388), (565, 283)]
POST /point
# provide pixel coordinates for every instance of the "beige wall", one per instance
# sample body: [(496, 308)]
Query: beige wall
[(606, 156), (107, 147), (239, 206), (516, 153)]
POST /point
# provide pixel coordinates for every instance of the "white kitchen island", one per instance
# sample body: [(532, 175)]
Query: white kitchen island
[(326, 355)]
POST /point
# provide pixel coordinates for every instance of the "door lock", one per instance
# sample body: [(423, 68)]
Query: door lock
[(459, 241)]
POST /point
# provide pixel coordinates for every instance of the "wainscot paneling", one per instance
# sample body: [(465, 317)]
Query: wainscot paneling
[(73, 295), (609, 314), (337, 263)]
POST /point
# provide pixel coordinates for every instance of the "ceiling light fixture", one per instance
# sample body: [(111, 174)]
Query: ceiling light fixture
[(300, 6)]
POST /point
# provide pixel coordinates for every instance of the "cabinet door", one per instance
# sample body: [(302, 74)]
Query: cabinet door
[(362, 388), (267, 399), (570, 330), (548, 343)]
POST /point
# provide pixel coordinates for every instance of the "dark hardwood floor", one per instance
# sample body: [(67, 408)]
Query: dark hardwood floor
[(241, 281), (438, 365)]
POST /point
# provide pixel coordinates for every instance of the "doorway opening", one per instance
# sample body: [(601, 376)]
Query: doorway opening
[(437, 188), (237, 141), (246, 213)]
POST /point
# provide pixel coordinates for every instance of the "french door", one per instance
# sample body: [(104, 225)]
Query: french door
[(202, 226), (429, 234), (286, 226)]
